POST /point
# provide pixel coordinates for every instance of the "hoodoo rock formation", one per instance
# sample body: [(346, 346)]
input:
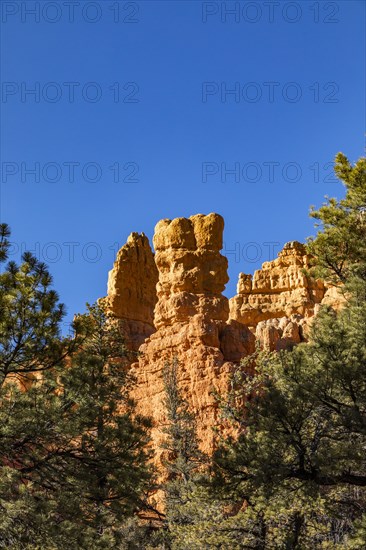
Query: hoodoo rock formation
[(132, 290), (279, 289), (192, 322), (170, 305), (278, 302)]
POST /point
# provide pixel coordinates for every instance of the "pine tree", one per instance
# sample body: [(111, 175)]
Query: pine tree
[(197, 518), (108, 472), (30, 317), (30, 348), (73, 453), (300, 458), (182, 457), (181, 445), (340, 245)]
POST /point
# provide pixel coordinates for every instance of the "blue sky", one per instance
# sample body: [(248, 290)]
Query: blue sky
[(150, 110)]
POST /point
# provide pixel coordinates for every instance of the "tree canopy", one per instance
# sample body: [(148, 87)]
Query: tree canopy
[(300, 458), (75, 457), (73, 452)]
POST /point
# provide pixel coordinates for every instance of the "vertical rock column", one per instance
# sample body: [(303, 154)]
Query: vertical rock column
[(132, 290), (191, 322)]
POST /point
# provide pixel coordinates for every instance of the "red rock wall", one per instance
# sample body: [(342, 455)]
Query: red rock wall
[(192, 322), (171, 305)]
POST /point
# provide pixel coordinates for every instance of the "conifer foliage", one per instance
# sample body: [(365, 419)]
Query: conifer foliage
[(73, 453), (181, 450), (300, 459), (75, 459)]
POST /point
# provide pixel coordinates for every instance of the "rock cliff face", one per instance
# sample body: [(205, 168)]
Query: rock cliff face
[(279, 289), (279, 301), (171, 305), (192, 322), (132, 290)]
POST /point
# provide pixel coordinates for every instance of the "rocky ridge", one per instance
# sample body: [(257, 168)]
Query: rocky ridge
[(170, 305)]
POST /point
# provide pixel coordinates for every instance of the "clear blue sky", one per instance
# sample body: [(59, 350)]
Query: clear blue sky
[(142, 88)]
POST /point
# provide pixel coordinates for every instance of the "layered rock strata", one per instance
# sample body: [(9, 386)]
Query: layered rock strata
[(279, 289), (170, 305), (192, 323), (280, 300)]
